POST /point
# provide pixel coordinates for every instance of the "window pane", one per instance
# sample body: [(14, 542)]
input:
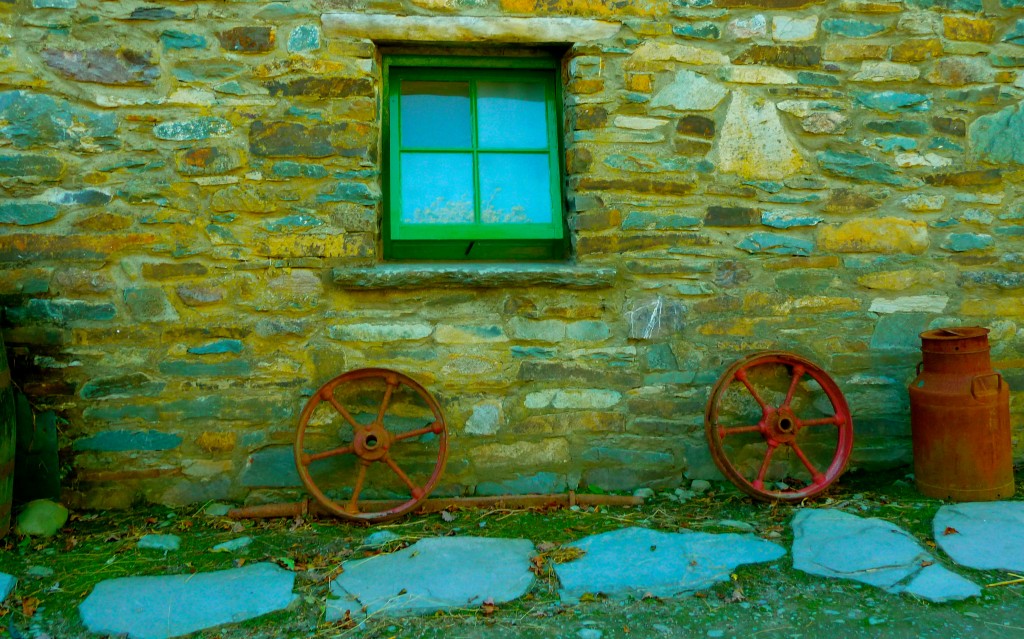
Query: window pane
[(435, 114), (437, 188), (515, 188), (512, 115)]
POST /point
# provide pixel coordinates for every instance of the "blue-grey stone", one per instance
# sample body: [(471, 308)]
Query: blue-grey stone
[(637, 561), (697, 30), (588, 331), (660, 357), (85, 197), (54, 4), (60, 311), (7, 584), (775, 243), (998, 138), (787, 220), (647, 220), (832, 543), (354, 192), (272, 467), (542, 483), (233, 545), (290, 169), (24, 164), (890, 145), (127, 385), (230, 368), (899, 332), (851, 28), (1006, 4), (1017, 35), (816, 79), (988, 534), (30, 119), (199, 128), (165, 543), (218, 347), (628, 456), (293, 223), (305, 37), (379, 539), (437, 573), (962, 242), (893, 101), (169, 606), (123, 440), (26, 213), (275, 327), (180, 40), (858, 167)]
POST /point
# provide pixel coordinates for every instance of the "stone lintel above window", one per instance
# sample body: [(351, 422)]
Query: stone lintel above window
[(486, 275), (460, 29)]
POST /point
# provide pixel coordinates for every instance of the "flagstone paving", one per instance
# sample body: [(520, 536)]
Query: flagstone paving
[(832, 543), (444, 573), (434, 574), (174, 605), (638, 561), (982, 535)]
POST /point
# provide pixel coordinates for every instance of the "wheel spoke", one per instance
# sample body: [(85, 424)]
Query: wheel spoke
[(353, 505), (824, 421), (742, 376), (308, 459), (758, 483), (344, 413), (413, 488), (798, 372), (816, 477), (433, 428), (722, 431), (392, 384)]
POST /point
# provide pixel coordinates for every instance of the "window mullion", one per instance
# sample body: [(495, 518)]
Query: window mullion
[(475, 140)]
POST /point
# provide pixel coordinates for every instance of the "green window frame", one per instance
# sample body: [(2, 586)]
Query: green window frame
[(465, 165)]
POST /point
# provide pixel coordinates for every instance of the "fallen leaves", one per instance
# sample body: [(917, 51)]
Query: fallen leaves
[(950, 531)]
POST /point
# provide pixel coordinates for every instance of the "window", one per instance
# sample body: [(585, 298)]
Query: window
[(472, 166)]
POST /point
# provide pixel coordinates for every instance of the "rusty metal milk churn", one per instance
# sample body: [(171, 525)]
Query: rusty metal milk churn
[(960, 418)]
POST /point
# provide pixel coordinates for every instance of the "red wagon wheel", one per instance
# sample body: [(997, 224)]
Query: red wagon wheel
[(374, 414), (779, 427)]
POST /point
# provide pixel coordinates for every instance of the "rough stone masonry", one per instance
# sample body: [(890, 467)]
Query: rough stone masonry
[(191, 211)]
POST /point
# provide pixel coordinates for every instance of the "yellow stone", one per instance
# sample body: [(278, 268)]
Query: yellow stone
[(590, 8), (898, 280), (743, 327), (347, 245), (1001, 307), (839, 51), (968, 29), (875, 235), (486, 457), (648, 54), (917, 50), (641, 82), (217, 442)]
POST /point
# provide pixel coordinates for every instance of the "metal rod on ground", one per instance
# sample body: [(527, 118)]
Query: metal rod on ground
[(433, 505)]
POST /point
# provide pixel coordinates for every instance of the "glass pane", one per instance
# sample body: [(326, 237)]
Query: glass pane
[(515, 188), (435, 114), (512, 115), (437, 188)]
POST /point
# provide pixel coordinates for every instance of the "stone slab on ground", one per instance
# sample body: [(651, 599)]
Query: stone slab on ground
[(7, 584), (169, 606), (637, 561), (831, 543), (437, 573), (989, 535)]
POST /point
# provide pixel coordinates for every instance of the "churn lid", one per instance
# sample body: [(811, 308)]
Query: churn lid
[(958, 339)]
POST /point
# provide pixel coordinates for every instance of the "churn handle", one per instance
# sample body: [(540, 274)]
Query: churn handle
[(985, 392), (919, 365)]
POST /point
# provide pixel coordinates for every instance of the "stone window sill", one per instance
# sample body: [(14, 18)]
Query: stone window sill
[(497, 275)]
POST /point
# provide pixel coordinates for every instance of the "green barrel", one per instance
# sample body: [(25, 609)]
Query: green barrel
[(7, 430)]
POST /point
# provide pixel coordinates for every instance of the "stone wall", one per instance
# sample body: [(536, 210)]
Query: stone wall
[(191, 203)]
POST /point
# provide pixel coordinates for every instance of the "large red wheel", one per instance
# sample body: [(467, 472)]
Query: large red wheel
[(371, 434), (779, 427)]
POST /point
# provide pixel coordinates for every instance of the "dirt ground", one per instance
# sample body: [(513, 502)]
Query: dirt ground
[(771, 600)]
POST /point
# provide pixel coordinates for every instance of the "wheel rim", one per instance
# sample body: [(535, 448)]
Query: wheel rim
[(373, 436), (778, 427)]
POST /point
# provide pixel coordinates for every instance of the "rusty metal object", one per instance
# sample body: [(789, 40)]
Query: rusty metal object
[(306, 507), (370, 441), (7, 436), (778, 427), (960, 419)]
